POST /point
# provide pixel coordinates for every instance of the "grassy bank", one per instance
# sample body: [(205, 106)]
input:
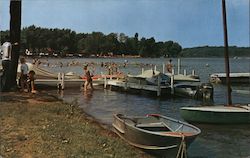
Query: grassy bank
[(42, 126)]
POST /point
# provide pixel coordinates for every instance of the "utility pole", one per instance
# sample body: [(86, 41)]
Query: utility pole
[(15, 34)]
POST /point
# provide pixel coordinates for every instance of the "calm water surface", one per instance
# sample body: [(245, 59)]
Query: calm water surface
[(214, 141)]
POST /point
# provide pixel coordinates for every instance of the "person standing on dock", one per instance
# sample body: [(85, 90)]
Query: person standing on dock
[(88, 79), (169, 66)]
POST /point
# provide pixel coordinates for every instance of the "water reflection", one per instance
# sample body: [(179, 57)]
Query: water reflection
[(60, 93), (87, 95)]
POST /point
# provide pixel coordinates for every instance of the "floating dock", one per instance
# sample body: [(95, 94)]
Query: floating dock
[(235, 78)]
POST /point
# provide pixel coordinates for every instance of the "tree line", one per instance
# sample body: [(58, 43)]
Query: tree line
[(65, 41), (209, 51)]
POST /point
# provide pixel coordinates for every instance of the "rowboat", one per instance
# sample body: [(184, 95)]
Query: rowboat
[(155, 133), (42, 73)]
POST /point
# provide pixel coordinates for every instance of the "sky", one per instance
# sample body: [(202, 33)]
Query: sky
[(191, 23)]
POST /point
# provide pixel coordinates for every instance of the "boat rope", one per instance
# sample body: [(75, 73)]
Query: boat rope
[(182, 151)]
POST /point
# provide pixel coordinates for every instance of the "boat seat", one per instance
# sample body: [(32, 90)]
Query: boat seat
[(131, 122), (185, 134), (156, 124), (154, 127)]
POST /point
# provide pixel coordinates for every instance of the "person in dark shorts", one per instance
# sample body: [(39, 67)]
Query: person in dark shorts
[(32, 81)]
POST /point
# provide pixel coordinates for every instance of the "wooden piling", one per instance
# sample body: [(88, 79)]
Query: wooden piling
[(105, 82), (178, 66), (163, 68), (158, 86), (193, 72), (62, 81), (185, 72), (172, 82)]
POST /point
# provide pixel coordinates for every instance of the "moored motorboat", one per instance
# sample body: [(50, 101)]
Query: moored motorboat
[(178, 78), (156, 133), (150, 77), (220, 114), (196, 91)]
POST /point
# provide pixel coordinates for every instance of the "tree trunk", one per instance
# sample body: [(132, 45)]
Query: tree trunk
[(15, 34)]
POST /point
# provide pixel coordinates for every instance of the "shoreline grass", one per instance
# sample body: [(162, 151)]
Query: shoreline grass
[(43, 126)]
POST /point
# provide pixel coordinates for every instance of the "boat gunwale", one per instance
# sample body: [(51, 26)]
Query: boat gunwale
[(228, 109), (181, 134), (150, 147)]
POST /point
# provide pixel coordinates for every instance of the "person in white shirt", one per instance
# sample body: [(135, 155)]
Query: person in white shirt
[(6, 62), (24, 75)]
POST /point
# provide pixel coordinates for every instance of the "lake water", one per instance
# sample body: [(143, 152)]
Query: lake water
[(214, 142)]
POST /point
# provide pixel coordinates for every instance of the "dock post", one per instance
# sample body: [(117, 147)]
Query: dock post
[(62, 82), (105, 82), (59, 76), (142, 70), (163, 68), (172, 82), (159, 86), (179, 66), (59, 86), (185, 72), (155, 67), (126, 84), (193, 72)]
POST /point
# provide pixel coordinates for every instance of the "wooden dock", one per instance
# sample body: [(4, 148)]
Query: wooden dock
[(62, 84), (159, 90), (234, 78), (62, 80)]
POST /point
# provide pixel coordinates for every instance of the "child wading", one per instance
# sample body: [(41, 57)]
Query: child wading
[(32, 81), (88, 79)]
